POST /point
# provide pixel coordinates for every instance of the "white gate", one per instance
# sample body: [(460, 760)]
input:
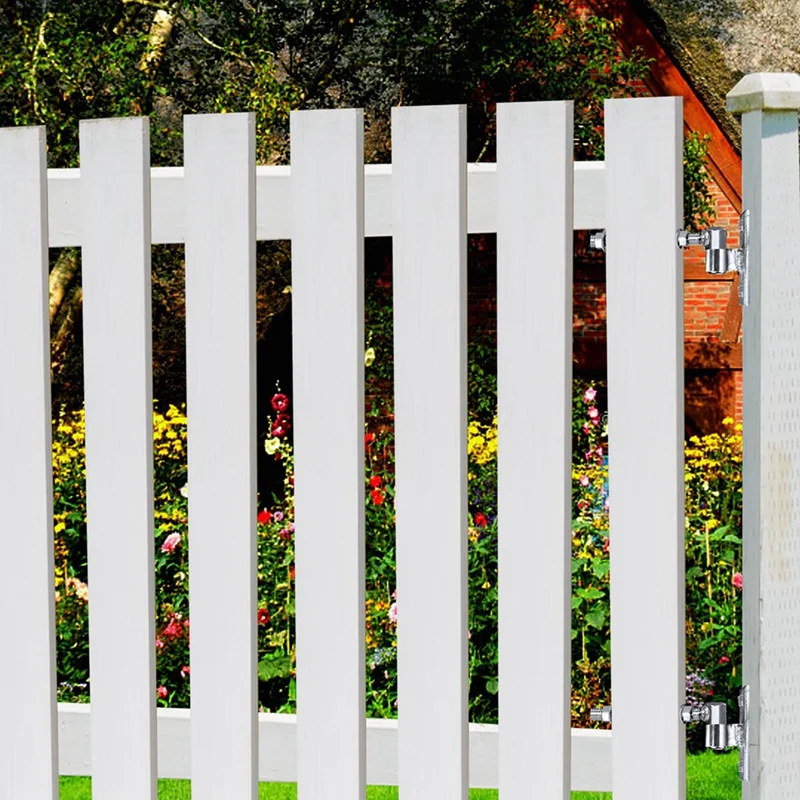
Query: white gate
[(219, 204)]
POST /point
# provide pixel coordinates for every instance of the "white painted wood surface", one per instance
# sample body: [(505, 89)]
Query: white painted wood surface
[(534, 384), (274, 216), (771, 512), (27, 668), (644, 280), (118, 370), (328, 365), (591, 750), (430, 290), (219, 154)]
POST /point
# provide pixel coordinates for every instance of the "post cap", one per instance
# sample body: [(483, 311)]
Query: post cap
[(765, 91)]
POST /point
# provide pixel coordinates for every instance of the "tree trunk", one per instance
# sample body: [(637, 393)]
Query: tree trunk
[(61, 279)]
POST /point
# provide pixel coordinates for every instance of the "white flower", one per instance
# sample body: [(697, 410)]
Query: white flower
[(185, 490), (272, 445)]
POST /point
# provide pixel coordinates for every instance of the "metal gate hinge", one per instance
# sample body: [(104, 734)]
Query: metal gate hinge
[(720, 735), (719, 259)]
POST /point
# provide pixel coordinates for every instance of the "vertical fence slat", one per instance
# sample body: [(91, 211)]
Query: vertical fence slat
[(328, 364), (771, 511), (219, 157), (534, 370), (115, 248), (429, 277), (646, 484), (28, 743)]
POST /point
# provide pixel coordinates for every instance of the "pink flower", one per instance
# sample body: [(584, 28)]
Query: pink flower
[(159, 644), (586, 427), (584, 480), (162, 692), (724, 660), (185, 671), (590, 395), (593, 413), (393, 613), (171, 542), (278, 516), (738, 580)]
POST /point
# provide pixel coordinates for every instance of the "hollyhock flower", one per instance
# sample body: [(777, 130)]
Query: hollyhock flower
[(724, 660), (737, 580), (375, 481), (377, 496), (284, 534), (278, 516), (280, 402), (278, 430), (170, 543), (584, 480), (159, 644), (185, 671), (369, 438), (393, 613), (162, 692), (586, 427), (174, 628), (480, 520), (264, 517), (590, 395), (263, 616), (272, 445), (593, 413), (291, 527)]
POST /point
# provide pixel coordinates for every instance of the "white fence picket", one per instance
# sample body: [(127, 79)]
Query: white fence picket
[(328, 365), (771, 511), (115, 198), (219, 154), (28, 752), (644, 279), (534, 380), (429, 173)]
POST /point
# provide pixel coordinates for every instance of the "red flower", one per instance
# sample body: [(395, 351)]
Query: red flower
[(264, 517), (377, 496), (737, 580), (185, 671), (375, 481), (480, 520), (369, 438), (278, 430), (724, 660), (162, 692), (291, 572), (263, 616), (606, 545), (280, 402)]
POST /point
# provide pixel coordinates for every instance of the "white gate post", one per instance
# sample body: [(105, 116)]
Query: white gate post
[(771, 342)]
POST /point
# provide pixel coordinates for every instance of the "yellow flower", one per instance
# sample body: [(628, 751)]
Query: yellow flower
[(369, 357), (272, 445)]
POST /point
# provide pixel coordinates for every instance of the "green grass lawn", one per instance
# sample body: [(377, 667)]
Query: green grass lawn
[(709, 776)]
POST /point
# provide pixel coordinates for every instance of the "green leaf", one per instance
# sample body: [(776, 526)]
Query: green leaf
[(492, 686), (274, 665), (589, 594), (596, 617), (293, 690), (574, 633), (576, 601), (600, 567)]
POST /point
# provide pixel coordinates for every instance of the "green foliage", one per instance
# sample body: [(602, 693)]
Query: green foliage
[(698, 211)]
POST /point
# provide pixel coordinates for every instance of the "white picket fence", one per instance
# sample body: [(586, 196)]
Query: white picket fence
[(218, 205)]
